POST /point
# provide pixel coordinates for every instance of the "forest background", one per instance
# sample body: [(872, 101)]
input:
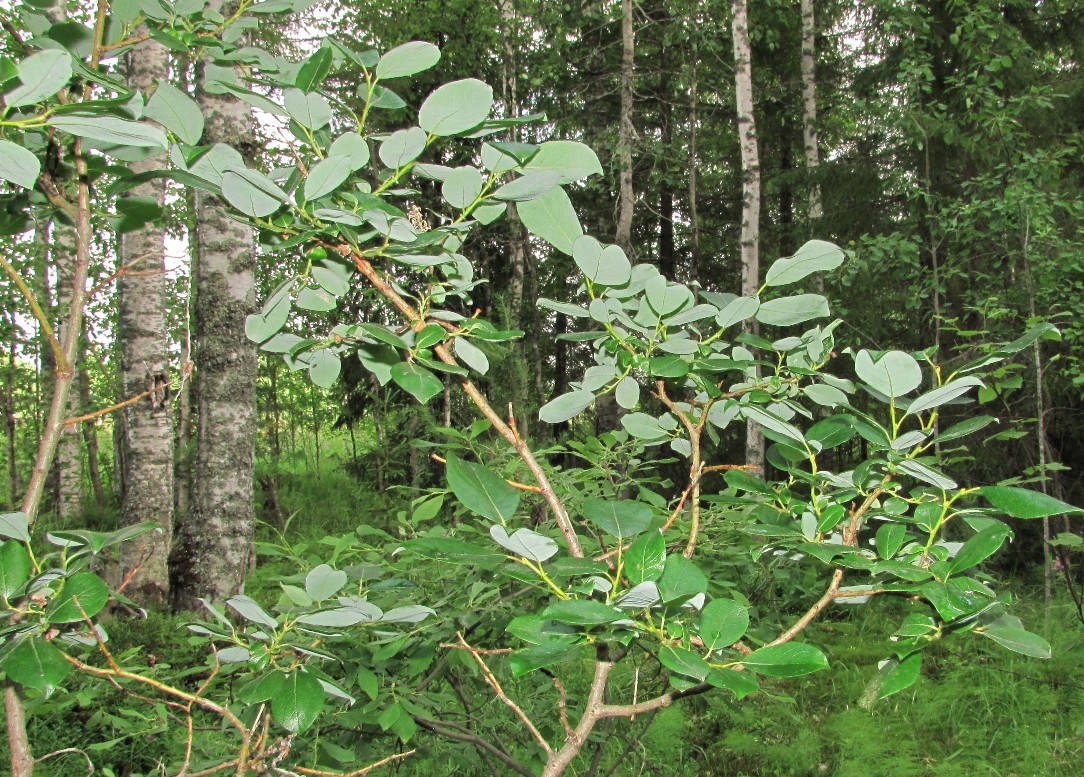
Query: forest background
[(939, 144)]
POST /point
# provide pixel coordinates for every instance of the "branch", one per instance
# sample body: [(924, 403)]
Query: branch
[(557, 506), (491, 680), (359, 772), (475, 740)]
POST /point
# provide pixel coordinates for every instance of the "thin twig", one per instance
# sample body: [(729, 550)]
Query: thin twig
[(512, 483), (491, 680), (359, 772)]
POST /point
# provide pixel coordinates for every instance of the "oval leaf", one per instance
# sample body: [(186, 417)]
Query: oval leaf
[(456, 107)]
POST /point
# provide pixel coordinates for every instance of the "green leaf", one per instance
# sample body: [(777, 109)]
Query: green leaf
[(471, 355), (110, 129), (899, 675), (252, 193), (299, 702), (259, 327), (681, 580), (1008, 632), (324, 367), (177, 112), (645, 558), (42, 75), (535, 657), (722, 623), (917, 469), (324, 582), (527, 187), (333, 276), (739, 309), (1024, 503), (462, 186), (15, 526), (773, 424), (566, 406), (893, 374), (889, 539), (247, 608), (741, 684), (326, 176), (456, 107), (627, 393), (942, 395), (402, 147), (552, 218), (582, 612), (684, 662), (643, 426), (792, 310), (980, 547), (307, 109), (18, 165), (36, 664), (618, 518), (814, 256), (607, 265), (572, 159), (667, 366), (14, 567), (315, 299), (416, 381), (407, 59), (966, 427), (84, 588), (481, 490), (351, 149), (315, 69), (792, 659), (524, 542), (665, 297)]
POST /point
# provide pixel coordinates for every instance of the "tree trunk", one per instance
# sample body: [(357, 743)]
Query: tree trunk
[(10, 428), (211, 555), (810, 139), (90, 435), (627, 133), (144, 367), (750, 165), (71, 502), (694, 216)]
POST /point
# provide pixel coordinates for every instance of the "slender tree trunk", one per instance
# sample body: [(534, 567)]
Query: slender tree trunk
[(71, 500), (750, 165), (810, 138), (627, 133), (144, 367), (90, 436), (211, 555), (694, 215), (10, 428)]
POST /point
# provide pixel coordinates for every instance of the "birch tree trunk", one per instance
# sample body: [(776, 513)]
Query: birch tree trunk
[(750, 165), (71, 499), (810, 138), (144, 366), (627, 133), (694, 126), (211, 554)]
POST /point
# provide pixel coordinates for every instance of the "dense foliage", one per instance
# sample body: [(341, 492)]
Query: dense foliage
[(528, 596)]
